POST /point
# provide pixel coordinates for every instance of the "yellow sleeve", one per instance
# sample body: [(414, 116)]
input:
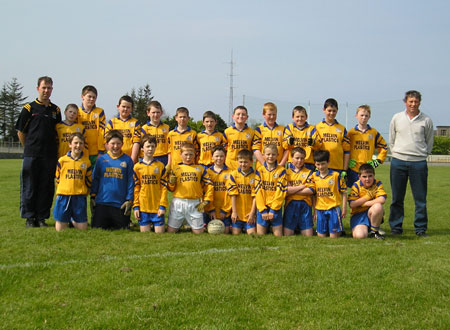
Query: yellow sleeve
[(260, 194)]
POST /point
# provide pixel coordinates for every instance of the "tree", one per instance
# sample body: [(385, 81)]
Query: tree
[(141, 99), (441, 145), (11, 103)]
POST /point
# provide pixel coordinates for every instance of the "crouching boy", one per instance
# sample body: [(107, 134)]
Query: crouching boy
[(366, 201)]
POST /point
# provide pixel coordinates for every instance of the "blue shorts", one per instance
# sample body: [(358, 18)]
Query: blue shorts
[(151, 218), (68, 208), (275, 222), (298, 215), (329, 221), (243, 224), (352, 177), (162, 159), (361, 218)]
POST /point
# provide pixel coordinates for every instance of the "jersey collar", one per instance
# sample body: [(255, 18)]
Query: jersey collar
[(234, 126)]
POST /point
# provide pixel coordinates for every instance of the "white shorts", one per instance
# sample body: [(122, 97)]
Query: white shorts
[(181, 209)]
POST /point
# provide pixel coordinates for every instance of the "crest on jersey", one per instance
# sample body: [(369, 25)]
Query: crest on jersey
[(198, 169), (95, 116), (247, 135), (123, 164), (132, 124), (338, 130), (83, 166), (226, 176), (331, 182), (279, 133), (275, 175), (156, 170), (217, 139), (303, 175), (252, 181), (189, 138), (78, 130), (370, 137), (164, 130)]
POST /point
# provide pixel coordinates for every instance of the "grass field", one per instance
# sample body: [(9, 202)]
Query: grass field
[(125, 279)]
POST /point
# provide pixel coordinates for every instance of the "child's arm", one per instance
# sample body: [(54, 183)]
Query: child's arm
[(292, 190), (234, 214), (252, 215), (135, 152), (285, 158), (259, 156), (344, 205)]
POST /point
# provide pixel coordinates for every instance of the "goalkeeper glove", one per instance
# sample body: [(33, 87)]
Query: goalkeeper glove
[(172, 178), (374, 163), (291, 140), (344, 175), (126, 207), (92, 205), (310, 141), (201, 206), (351, 163)]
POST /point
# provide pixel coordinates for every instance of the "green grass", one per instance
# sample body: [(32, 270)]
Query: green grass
[(126, 279)]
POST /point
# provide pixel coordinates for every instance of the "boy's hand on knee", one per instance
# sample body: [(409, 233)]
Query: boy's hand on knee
[(137, 214), (126, 207), (234, 217), (92, 205)]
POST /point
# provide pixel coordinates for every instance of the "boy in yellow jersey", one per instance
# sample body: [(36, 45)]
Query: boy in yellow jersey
[(67, 127), (128, 126), (192, 191), (297, 210), (208, 139), (269, 133), (334, 138), (219, 174), (330, 193), (238, 136), (93, 120), (150, 188), (270, 190), (366, 201), (73, 181), (155, 127), (180, 134), (364, 140), (241, 189), (301, 134)]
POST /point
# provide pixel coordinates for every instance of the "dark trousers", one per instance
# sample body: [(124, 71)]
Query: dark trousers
[(37, 187), (417, 174), (109, 217)]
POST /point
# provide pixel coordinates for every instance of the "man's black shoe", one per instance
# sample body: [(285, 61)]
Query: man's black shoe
[(396, 233), (41, 223), (421, 234), (31, 223)]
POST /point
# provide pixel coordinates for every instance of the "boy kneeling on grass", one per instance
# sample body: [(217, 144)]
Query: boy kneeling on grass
[(366, 200), (187, 181), (73, 180)]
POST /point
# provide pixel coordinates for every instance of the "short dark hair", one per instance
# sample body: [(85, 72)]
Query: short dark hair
[(330, 103), (126, 98), (89, 88), (182, 110), (413, 93), (154, 104), (209, 114), (45, 79), (321, 156), (240, 107), (299, 108), (366, 168), (78, 135), (114, 133), (298, 149), (71, 105), (148, 138), (218, 148), (244, 153)]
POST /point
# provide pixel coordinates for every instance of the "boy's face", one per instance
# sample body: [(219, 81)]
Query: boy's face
[(148, 149), (154, 114), (244, 164), (124, 109), (115, 146), (218, 158), (89, 99), (209, 123), (76, 146), (240, 117), (367, 179), (330, 113), (188, 156), (270, 156), (270, 117), (298, 160), (182, 119), (299, 118), (71, 114), (44, 91), (321, 166), (363, 117)]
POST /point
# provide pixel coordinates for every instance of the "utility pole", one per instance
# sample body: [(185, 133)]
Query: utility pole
[(230, 106)]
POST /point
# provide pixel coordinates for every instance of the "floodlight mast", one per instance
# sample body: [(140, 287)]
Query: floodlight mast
[(231, 101)]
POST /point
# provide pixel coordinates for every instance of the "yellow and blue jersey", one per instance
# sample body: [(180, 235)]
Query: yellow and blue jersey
[(176, 140), (270, 188), (237, 140), (297, 177), (328, 189), (242, 186), (73, 176), (112, 180), (222, 201), (193, 182), (130, 129), (94, 124), (64, 132), (206, 143), (150, 187), (301, 136), (265, 135), (334, 139), (161, 133), (358, 191), (364, 144)]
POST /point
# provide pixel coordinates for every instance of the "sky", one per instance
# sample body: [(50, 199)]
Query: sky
[(287, 52)]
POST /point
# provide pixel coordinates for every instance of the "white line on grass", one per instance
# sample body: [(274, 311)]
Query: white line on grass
[(144, 256)]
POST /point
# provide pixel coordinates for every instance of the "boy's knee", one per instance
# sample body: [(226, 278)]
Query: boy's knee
[(376, 208)]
